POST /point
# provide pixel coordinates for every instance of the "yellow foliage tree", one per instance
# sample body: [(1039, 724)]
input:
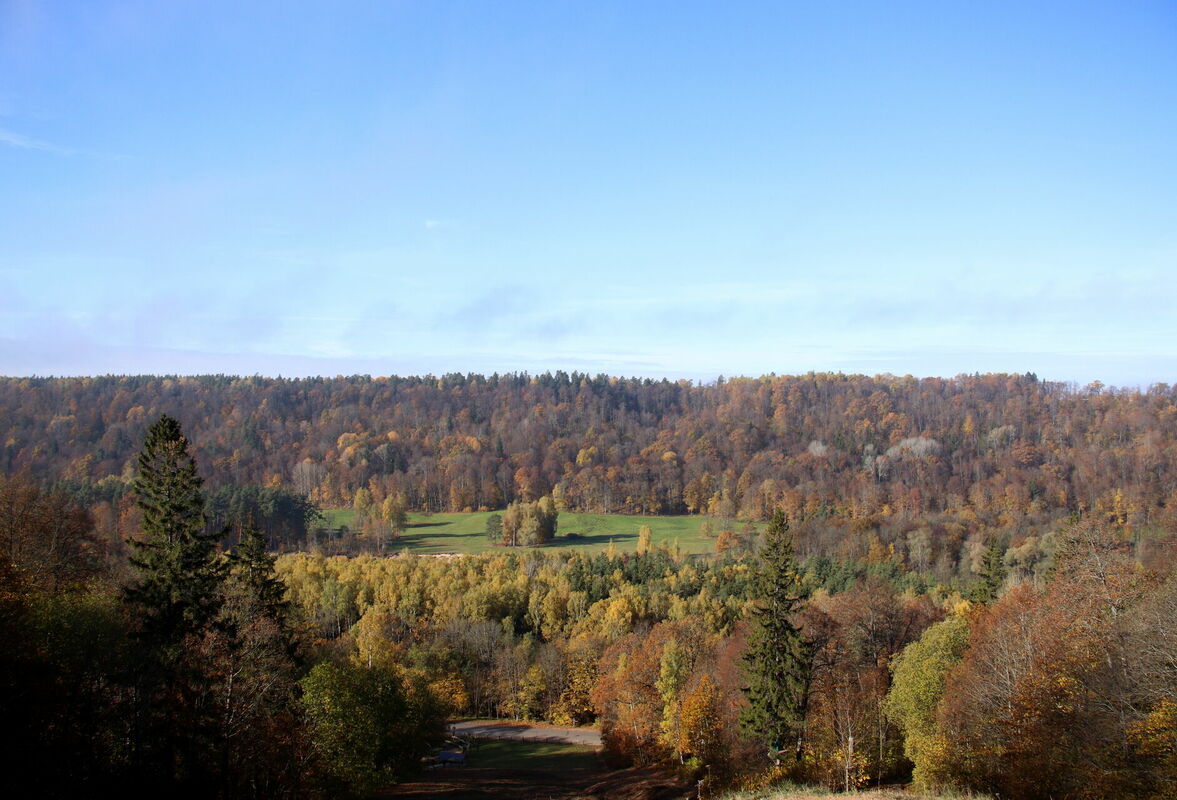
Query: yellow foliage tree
[(450, 694), (373, 645), (700, 724), (1155, 738), (644, 543)]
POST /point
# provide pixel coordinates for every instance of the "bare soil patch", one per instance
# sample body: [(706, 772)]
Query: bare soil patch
[(475, 783), (519, 761), (526, 732)]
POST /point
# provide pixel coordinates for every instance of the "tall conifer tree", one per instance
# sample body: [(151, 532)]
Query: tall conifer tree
[(254, 589), (993, 572), (253, 673), (779, 659), (177, 589), (254, 567), (175, 598)]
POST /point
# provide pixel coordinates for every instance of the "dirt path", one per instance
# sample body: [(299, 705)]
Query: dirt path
[(590, 782), (526, 732), (520, 784)]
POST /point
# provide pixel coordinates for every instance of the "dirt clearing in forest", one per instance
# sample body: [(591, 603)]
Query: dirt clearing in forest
[(542, 768), (525, 732)]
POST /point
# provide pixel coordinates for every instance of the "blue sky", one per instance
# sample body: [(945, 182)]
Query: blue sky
[(664, 189)]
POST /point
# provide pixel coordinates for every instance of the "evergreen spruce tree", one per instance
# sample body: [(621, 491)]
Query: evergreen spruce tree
[(253, 676), (253, 584), (993, 572), (179, 571), (175, 599), (778, 660)]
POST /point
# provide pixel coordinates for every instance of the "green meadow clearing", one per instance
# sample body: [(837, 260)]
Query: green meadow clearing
[(466, 533)]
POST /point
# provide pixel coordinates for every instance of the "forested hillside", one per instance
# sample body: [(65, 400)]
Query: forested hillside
[(1013, 636), (923, 466), (831, 444)]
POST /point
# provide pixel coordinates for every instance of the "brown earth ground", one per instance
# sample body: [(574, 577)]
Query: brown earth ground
[(627, 784), (581, 777), (475, 783), (525, 732), (563, 775)]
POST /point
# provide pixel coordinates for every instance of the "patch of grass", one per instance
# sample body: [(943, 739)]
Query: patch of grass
[(466, 533), (545, 756), (594, 531)]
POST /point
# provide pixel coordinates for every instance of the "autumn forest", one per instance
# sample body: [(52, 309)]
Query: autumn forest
[(961, 584)]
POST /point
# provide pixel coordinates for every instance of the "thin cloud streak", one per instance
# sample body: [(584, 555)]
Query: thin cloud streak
[(21, 142)]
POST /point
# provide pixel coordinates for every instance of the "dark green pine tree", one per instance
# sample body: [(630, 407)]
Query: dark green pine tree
[(993, 572), (175, 599), (779, 659), (254, 676), (177, 588), (253, 583)]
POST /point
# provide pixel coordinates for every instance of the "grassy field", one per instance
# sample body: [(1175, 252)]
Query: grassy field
[(466, 533), (547, 756)]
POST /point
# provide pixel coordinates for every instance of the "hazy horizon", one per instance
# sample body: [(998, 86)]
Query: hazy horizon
[(697, 381)]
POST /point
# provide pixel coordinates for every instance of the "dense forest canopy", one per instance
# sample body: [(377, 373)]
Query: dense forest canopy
[(931, 471), (833, 444), (974, 579)]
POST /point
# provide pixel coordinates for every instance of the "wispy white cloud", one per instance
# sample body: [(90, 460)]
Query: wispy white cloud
[(20, 141)]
